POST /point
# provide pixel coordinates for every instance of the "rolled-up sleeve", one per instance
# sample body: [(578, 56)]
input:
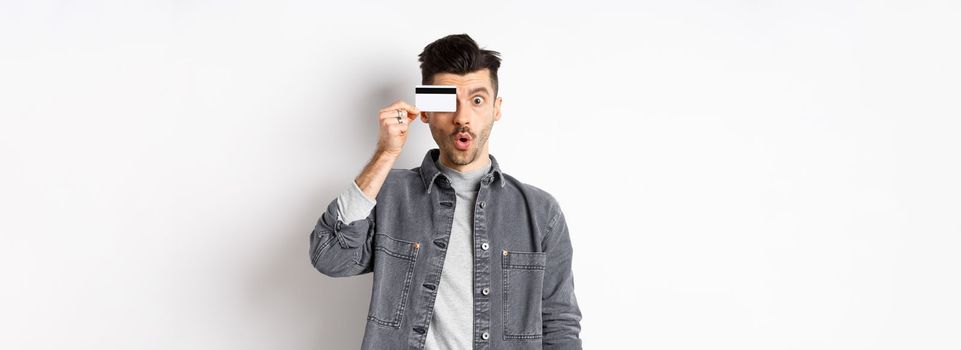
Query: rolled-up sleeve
[(340, 241)]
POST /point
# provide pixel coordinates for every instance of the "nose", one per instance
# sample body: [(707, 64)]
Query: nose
[(462, 115)]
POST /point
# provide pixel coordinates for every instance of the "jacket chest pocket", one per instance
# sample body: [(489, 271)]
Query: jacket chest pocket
[(523, 291), (393, 273)]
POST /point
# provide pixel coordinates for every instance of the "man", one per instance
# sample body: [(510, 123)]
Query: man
[(464, 256)]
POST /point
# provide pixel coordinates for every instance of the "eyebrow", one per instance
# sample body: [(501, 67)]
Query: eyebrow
[(478, 89)]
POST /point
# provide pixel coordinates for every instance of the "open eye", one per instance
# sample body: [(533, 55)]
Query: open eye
[(478, 100)]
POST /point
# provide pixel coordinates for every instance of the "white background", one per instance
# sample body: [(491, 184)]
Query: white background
[(736, 174)]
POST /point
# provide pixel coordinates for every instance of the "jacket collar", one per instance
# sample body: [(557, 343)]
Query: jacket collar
[(429, 170)]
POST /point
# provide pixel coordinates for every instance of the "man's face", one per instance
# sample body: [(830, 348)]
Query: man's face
[(462, 135)]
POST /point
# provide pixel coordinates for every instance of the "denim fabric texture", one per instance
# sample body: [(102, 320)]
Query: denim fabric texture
[(523, 283)]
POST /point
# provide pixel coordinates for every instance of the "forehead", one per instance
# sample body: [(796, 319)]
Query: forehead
[(466, 82)]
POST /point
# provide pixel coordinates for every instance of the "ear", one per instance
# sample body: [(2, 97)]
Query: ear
[(497, 108), (424, 117)]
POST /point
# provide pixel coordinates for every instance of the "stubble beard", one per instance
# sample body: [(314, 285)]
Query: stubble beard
[(454, 156)]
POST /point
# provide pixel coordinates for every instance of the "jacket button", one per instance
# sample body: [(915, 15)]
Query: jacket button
[(482, 204), (485, 291), (484, 246), (421, 330), (485, 335)]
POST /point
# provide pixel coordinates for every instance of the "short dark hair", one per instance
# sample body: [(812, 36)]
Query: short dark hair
[(457, 54)]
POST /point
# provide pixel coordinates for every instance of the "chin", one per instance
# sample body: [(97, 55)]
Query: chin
[(461, 157)]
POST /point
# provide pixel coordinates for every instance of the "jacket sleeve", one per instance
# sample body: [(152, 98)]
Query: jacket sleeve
[(560, 313), (340, 241)]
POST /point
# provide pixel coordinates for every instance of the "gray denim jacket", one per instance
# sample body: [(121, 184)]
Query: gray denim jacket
[(522, 256)]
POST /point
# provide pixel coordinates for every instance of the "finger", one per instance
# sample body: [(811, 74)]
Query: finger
[(407, 107), (397, 113), (396, 129), (402, 105), (392, 113), (395, 121)]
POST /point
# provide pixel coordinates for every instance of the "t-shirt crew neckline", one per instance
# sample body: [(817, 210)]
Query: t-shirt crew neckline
[(466, 181)]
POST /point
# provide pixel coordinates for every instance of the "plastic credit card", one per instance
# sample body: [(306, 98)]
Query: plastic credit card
[(435, 98)]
